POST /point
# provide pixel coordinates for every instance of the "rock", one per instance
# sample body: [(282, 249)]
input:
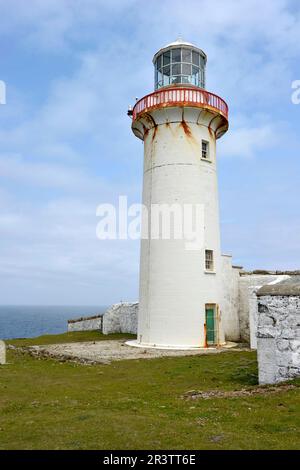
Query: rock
[(217, 438)]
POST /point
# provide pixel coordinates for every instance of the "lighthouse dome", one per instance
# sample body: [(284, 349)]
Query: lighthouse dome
[(179, 62)]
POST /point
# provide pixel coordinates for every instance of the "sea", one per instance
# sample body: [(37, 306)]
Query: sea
[(30, 321)]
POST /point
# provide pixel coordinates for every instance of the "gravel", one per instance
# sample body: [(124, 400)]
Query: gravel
[(94, 352)]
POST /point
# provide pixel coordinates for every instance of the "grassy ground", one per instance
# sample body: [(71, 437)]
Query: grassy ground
[(138, 404), (72, 337)]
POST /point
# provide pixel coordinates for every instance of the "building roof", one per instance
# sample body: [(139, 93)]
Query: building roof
[(179, 42), (290, 286)]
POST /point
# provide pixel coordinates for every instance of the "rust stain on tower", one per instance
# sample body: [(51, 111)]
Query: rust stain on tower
[(186, 129)]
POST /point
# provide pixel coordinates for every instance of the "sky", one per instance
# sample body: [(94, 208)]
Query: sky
[(71, 68)]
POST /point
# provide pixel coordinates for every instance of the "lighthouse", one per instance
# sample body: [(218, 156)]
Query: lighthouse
[(180, 300)]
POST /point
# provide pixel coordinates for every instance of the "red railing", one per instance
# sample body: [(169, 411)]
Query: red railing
[(178, 96)]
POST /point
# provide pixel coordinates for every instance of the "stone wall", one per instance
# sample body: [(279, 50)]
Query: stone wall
[(249, 284), (278, 338), (86, 323), (239, 305), (121, 318)]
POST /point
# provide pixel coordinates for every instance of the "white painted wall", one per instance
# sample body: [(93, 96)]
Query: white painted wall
[(230, 299), (174, 286)]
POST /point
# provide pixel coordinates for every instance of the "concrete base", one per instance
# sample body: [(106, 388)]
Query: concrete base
[(135, 344)]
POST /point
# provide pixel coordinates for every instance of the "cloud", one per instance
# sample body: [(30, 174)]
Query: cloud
[(247, 142), (42, 174), (53, 247), (54, 25)]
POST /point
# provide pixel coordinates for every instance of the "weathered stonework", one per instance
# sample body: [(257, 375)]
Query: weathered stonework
[(121, 318), (2, 353), (239, 301), (278, 337), (249, 284), (86, 323)]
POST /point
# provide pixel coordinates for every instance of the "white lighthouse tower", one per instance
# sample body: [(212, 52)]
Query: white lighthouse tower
[(180, 289)]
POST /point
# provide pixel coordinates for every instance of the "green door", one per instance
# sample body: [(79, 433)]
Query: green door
[(210, 325)]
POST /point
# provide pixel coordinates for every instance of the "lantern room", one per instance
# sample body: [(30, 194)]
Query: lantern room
[(179, 63)]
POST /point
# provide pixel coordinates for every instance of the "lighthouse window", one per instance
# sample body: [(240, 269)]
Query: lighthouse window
[(166, 80), (158, 62), (176, 79), (167, 70), (166, 75), (166, 58), (176, 55), (186, 55), (202, 82), (209, 260), (159, 77), (186, 79), (186, 69), (205, 150), (176, 69), (196, 58), (195, 75), (195, 70)]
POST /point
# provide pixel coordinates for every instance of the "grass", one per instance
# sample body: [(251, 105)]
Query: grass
[(138, 404), (70, 337)]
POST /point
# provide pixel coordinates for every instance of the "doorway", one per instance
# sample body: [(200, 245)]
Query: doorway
[(210, 322)]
